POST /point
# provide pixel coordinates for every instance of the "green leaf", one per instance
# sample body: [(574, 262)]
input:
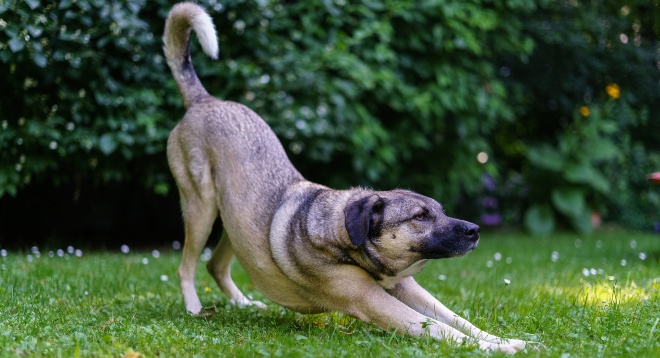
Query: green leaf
[(604, 149), (33, 4), (107, 144), (582, 223), (569, 201), (40, 60), (35, 31), (161, 188), (539, 219), (16, 45), (65, 4), (545, 157), (586, 174)]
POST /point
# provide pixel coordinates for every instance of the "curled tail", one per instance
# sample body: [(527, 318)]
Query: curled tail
[(183, 18)]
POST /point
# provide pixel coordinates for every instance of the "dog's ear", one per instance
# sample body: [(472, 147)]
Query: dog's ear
[(362, 218)]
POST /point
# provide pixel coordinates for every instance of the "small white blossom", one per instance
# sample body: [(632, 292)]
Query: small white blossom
[(555, 256)]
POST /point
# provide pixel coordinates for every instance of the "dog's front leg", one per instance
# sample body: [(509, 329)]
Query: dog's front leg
[(420, 300), (358, 295)]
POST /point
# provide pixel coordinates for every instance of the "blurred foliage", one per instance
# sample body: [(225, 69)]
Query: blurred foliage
[(85, 94), (589, 125), (377, 93), (373, 89)]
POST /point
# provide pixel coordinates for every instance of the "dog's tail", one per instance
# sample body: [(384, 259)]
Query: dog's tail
[(184, 18)]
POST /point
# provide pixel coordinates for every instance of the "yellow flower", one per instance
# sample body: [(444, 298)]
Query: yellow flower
[(207, 289), (584, 111), (613, 90)]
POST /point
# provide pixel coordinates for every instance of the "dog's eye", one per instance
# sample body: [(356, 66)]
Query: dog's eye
[(422, 217)]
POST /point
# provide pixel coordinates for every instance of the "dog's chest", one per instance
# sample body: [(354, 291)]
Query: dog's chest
[(388, 282)]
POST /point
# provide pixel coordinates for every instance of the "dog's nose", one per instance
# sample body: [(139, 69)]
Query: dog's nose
[(471, 231)]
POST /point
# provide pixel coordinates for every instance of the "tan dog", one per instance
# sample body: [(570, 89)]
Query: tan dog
[(305, 246)]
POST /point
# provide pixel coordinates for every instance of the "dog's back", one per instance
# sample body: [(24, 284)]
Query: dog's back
[(219, 137)]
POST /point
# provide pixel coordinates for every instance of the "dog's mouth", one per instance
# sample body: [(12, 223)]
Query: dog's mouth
[(442, 249)]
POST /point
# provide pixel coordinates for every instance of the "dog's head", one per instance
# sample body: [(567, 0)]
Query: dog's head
[(398, 228)]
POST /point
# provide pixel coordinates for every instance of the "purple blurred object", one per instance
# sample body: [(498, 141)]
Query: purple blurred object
[(489, 182), (490, 202), (491, 219)]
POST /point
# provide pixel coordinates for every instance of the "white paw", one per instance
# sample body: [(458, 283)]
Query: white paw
[(511, 346), (193, 307), (508, 346), (245, 302)]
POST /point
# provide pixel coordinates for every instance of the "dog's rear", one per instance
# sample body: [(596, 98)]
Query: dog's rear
[(221, 155)]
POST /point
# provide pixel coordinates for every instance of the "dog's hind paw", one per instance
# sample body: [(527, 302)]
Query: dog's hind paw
[(194, 307), (245, 302)]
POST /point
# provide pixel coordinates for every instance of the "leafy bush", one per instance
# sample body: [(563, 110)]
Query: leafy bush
[(588, 131), (87, 94), (371, 89)]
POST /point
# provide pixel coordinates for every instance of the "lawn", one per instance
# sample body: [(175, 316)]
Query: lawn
[(595, 296)]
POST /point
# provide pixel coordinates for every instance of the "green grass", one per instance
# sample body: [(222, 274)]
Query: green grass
[(115, 304)]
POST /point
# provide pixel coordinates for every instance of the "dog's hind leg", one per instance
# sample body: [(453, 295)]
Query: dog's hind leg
[(198, 217), (192, 173), (220, 268)]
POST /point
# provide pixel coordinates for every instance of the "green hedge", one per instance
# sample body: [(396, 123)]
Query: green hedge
[(378, 93)]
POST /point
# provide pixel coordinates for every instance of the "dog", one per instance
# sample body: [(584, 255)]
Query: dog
[(307, 247)]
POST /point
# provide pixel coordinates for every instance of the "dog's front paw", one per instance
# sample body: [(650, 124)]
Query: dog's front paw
[(513, 345), (508, 346)]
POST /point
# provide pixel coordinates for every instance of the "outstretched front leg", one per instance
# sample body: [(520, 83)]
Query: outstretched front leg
[(416, 297), (354, 292)]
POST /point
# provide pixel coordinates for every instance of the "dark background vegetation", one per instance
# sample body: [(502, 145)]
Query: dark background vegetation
[(562, 96)]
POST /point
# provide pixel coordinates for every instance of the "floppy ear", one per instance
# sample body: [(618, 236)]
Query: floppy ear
[(362, 218)]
